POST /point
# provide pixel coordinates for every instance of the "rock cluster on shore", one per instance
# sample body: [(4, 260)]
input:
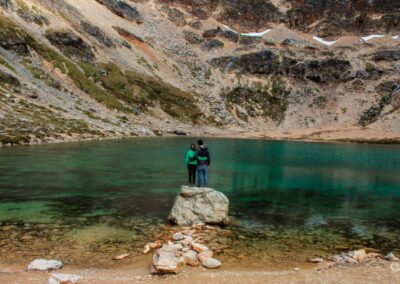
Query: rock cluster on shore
[(55, 278), (193, 208), (65, 279), (354, 257), (184, 247), (200, 205)]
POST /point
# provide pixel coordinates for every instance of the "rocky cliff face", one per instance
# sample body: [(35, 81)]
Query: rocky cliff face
[(156, 67), (327, 17)]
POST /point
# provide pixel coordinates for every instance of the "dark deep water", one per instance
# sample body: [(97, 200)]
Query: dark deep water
[(288, 194)]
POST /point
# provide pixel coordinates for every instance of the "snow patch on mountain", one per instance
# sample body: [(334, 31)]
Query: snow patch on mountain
[(324, 41), (367, 38), (254, 34)]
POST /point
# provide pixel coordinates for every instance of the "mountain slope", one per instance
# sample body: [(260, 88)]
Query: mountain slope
[(73, 69)]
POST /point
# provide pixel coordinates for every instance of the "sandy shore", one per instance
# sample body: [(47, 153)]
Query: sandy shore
[(327, 134), (379, 271)]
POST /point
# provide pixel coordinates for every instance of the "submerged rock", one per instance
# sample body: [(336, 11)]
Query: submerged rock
[(200, 205), (168, 260), (45, 265), (65, 279), (315, 222)]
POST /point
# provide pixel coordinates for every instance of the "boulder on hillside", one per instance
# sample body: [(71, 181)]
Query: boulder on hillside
[(10, 40), (321, 71), (9, 79), (175, 16), (264, 62), (97, 33), (212, 44), (192, 37), (387, 54), (196, 205), (71, 45), (123, 9)]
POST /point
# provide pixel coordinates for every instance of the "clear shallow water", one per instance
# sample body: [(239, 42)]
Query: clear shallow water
[(287, 195)]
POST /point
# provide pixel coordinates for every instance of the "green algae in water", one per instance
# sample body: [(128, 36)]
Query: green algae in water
[(101, 234), (34, 211)]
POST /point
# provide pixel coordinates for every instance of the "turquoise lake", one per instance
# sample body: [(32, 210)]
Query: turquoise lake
[(288, 194)]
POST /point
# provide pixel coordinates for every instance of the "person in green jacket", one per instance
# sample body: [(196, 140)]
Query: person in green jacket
[(191, 164)]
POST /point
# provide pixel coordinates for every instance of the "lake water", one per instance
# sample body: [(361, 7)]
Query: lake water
[(91, 199)]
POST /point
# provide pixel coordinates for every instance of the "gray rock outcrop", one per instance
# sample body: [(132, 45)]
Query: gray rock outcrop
[(71, 45), (268, 62), (196, 205), (123, 9), (387, 54)]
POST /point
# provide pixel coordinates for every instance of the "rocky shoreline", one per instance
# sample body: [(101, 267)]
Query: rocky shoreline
[(328, 135), (193, 242), (186, 247)]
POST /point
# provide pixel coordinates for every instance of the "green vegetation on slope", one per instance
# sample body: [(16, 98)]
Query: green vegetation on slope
[(109, 85), (142, 91)]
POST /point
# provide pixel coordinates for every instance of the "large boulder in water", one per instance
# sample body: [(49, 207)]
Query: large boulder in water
[(196, 205)]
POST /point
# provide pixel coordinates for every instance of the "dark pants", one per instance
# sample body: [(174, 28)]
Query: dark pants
[(192, 174)]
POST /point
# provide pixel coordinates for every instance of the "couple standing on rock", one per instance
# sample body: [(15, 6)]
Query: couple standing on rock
[(198, 160)]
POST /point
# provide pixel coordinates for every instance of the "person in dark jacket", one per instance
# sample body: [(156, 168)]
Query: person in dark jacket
[(191, 164), (203, 162)]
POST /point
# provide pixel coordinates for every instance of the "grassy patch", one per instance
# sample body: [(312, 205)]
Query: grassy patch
[(65, 65), (141, 91), (79, 78), (21, 4), (5, 64)]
